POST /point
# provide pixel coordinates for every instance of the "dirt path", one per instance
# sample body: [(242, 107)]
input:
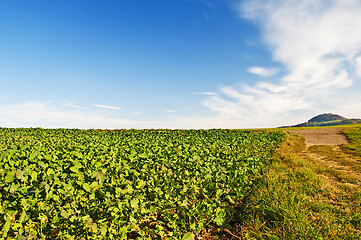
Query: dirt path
[(323, 147), (322, 136)]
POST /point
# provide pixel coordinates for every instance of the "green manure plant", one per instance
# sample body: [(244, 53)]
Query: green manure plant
[(135, 184)]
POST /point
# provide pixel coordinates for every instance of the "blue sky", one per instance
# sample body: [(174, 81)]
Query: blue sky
[(177, 63)]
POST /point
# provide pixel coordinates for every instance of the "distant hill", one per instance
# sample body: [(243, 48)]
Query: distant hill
[(327, 119)]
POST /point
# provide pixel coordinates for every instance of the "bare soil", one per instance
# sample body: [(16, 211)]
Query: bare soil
[(322, 136)]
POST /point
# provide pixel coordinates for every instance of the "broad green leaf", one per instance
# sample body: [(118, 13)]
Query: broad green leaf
[(10, 177), (188, 236), (87, 187), (56, 197), (134, 203), (229, 198), (64, 213), (14, 187), (22, 216), (48, 157), (42, 164), (219, 192), (50, 171), (74, 169), (141, 184), (94, 185), (34, 176), (6, 228), (132, 219), (33, 155), (78, 154), (94, 227), (184, 203), (103, 230)]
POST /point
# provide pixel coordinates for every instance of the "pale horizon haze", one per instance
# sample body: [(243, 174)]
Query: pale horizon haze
[(178, 64)]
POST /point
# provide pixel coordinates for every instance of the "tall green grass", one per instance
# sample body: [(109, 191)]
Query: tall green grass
[(354, 136)]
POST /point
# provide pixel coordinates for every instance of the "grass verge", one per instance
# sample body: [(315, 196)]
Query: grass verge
[(299, 198), (354, 136)]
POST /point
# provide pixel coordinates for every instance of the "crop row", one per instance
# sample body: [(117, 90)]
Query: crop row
[(70, 184)]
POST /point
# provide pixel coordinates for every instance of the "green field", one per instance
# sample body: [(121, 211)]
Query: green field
[(146, 184)]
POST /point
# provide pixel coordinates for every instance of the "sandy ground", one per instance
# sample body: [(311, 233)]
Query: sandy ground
[(322, 136)]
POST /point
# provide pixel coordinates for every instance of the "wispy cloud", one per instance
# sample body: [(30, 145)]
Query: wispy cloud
[(206, 93), (105, 106), (358, 66), (209, 4), (263, 72), (319, 45), (55, 115), (72, 105)]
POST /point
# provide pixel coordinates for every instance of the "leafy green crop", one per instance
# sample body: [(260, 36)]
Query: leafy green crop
[(143, 184)]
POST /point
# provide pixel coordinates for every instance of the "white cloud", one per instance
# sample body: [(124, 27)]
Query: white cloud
[(72, 105), (319, 45), (358, 66), (54, 115), (263, 72), (105, 106), (206, 93)]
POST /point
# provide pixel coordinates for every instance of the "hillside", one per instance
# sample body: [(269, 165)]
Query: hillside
[(327, 119)]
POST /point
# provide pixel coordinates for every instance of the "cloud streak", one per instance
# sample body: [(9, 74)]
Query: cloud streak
[(263, 72), (206, 93), (319, 45), (60, 115), (72, 105), (55, 115), (105, 106)]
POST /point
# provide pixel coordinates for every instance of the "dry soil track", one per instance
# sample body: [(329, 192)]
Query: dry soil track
[(322, 136), (334, 158)]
